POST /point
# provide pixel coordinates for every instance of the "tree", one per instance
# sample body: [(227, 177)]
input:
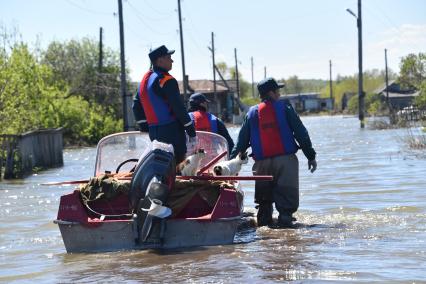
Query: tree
[(75, 65), (413, 74), (22, 88), (223, 69), (34, 95), (413, 70), (293, 85)]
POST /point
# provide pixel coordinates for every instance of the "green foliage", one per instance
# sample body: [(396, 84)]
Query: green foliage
[(372, 101), (373, 79), (413, 74), (233, 74), (75, 66), (413, 70), (23, 86), (245, 89), (93, 132), (373, 104), (250, 101), (61, 90), (230, 73), (421, 99), (353, 105), (293, 85), (223, 69)]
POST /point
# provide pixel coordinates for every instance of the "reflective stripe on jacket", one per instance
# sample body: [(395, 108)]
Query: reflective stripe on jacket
[(204, 121), (270, 133), (157, 109)]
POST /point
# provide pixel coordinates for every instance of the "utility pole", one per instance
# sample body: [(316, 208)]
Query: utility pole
[(264, 75), (236, 73), (214, 67), (100, 63), (331, 88), (392, 117), (185, 83), (123, 66), (101, 54), (252, 78), (387, 78), (361, 94)]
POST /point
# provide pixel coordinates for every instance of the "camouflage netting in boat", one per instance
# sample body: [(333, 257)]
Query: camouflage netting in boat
[(107, 187), (103, 187)]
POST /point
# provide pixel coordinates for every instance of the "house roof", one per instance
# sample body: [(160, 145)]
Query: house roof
[(402, 95), (202, 86), (382, 87), (232, 84), (396, 88)]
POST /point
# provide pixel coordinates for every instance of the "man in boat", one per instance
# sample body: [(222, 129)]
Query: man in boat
[(272, 129), (205, 121), (158, 106)]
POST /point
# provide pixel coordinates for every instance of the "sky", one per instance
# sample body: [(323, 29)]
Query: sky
[(287, 37)]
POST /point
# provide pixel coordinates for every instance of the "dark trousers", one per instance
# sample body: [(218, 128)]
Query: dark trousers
[(284, 188), (171, 133)]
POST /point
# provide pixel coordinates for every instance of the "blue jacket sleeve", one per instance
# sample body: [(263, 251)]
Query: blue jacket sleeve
[(243, 141), (171, 91), (300, 132), (221, 130)]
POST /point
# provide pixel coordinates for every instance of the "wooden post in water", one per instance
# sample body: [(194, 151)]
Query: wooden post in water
[(361, 94)]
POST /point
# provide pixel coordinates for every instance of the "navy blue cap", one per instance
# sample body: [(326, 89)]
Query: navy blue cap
[(198, 98), (268, 84), (158, 52)]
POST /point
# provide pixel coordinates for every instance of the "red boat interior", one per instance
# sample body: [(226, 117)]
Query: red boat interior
[(73, 209)]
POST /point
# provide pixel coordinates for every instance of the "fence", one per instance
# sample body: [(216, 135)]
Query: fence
[(412, 113), (21, 154)]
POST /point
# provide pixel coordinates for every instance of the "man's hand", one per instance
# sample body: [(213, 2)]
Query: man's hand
[(312, 165)]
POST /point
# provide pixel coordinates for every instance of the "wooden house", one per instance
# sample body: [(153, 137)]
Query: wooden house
[(399, 97), (308, 102)]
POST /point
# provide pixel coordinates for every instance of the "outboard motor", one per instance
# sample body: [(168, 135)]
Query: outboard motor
[(151, 183)]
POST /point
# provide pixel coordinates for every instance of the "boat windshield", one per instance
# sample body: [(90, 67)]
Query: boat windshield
[(114, 150)]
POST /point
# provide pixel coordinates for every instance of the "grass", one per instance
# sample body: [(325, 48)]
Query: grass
[(416, 138)]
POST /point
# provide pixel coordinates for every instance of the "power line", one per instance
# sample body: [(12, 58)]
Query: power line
[(157, 11), (88, 10), (137, 14), (388, 23), (189, 20), (145, 16)]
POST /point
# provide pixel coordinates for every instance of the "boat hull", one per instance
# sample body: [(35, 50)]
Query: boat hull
[(122, 235)]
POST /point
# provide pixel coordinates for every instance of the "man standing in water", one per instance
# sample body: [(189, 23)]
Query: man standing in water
[(158, 106), (272, 129)]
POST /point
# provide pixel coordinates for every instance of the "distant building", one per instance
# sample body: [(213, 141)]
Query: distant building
[(221, 103), (399, 97), (308, 102)]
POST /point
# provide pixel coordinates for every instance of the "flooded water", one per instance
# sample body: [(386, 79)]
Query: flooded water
[(363, 214)]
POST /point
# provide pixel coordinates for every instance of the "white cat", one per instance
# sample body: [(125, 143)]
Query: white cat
[(190, 165), (231, 167)]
